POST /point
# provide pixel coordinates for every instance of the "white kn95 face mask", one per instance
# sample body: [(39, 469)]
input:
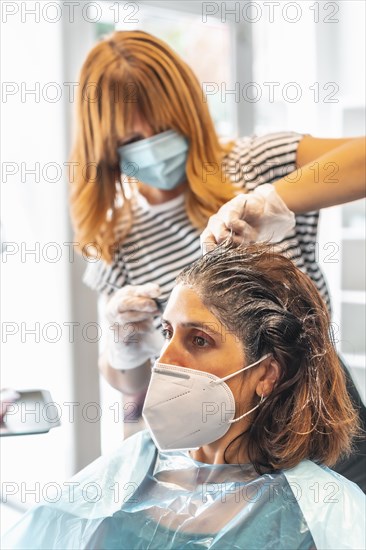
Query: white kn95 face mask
[(186, 408)]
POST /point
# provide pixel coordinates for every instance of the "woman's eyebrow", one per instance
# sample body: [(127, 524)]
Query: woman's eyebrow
[(210, 326)]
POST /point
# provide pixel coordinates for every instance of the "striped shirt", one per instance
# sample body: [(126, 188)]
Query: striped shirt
[(162, 240)]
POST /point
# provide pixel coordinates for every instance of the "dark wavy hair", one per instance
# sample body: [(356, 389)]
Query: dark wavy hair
[(266, 301)]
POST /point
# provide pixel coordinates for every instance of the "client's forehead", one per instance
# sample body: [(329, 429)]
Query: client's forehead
[(185, 306), (185, 309)]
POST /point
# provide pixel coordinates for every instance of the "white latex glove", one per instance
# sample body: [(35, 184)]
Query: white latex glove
[(132, 338), (252, 217)]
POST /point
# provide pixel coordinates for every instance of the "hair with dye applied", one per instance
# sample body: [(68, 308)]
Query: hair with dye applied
[(126, 74), (273, 307)]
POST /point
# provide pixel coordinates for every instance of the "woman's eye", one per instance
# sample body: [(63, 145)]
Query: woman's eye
[(200, 341), (166, 333)]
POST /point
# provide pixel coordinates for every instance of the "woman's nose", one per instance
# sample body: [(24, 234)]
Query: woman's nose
[(171, 354)]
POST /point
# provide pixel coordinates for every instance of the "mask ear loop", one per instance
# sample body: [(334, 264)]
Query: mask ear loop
[(220, 380), (251, 410)]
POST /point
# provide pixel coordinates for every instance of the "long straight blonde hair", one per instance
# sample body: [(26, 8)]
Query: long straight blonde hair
[(126, 74)]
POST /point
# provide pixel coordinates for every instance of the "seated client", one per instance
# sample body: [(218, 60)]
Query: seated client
[(246, 410)]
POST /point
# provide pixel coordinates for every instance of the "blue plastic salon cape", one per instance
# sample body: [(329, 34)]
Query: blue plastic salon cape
[(139, 498)]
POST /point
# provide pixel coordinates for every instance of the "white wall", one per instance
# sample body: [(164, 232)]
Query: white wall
[(43, 290)]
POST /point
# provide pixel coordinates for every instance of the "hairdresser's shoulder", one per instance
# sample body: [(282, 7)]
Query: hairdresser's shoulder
[(259, 147)]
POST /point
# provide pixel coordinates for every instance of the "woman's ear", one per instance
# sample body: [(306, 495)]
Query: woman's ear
[(269, 379)]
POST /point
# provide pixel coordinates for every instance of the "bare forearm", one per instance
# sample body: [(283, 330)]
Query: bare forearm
[(336, 177), (129, 381)]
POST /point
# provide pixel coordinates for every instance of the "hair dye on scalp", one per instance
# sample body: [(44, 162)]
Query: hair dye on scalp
[(273, 307)]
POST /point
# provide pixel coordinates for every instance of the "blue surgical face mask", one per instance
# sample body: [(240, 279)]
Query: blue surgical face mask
[(159, 161)]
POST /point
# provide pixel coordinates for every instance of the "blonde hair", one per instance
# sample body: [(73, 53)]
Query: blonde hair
[(133, 73)]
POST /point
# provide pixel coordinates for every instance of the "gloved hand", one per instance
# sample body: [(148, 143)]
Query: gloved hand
[(251, 217), (132, 338)]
